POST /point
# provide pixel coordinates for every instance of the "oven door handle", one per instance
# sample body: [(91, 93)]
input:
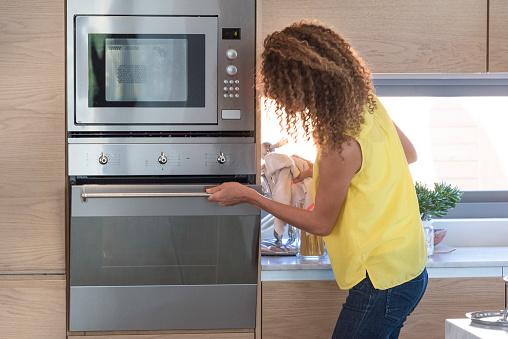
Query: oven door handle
[(150, 200), (85, 195)]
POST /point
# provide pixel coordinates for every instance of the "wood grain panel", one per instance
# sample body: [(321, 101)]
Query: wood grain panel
[(498, 36), (32, 308), (304, 309), (32, 154), (398, 35), (173, 336), (451, 298)]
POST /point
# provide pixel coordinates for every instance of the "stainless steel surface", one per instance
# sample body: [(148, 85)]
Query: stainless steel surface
[(491, 319), (227, 13), (166, 140), (85, 195), (143, 159), (149, 200), (145, 25), (111, 308), (158, 257)]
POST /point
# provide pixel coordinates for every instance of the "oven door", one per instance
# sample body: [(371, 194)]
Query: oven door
[(145, 70), (160, 257)]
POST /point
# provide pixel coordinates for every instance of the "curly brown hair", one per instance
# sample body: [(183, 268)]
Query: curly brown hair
[(316, 81)]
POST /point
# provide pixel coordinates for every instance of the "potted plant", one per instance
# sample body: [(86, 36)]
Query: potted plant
[(435, 203)]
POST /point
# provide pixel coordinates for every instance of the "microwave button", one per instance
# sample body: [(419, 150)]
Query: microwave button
[(225, 88), (231, 114), (231, 81), (231, 54), (226, 82), (237, 82), (226, 95), (237, 89), (231, 70), (237, 95), (231, 88), (231, 95)]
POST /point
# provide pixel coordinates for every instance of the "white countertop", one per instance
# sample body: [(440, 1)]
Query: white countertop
[(462, 262), (462, 329)]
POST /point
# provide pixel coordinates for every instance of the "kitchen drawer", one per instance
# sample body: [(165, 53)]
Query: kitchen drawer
[(32, 307), (450, 298), (300, 309)]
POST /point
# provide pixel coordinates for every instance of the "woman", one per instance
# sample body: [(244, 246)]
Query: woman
[(365, 202)]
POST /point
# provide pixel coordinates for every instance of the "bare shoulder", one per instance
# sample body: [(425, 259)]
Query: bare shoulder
[(349, 158)]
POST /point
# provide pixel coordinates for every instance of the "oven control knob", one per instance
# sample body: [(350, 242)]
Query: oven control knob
[(103, 159), (231, 70), (231, 54), (221, 159), (163, 159)]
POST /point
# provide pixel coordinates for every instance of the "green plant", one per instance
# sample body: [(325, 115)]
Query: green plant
[(436, 202)]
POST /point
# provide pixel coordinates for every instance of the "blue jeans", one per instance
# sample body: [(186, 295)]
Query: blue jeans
[(370, 313)]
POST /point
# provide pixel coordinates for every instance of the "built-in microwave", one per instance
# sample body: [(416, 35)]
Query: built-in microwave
[(166, 66)]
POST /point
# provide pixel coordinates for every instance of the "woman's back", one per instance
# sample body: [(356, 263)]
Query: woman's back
[(378, 229)]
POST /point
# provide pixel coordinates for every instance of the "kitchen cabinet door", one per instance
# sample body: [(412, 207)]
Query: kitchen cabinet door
[(300, 309), (32, 132), (32, 307), (498, 36), (397, 36), (450, 298)]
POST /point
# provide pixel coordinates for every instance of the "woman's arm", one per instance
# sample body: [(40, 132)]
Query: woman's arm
[(409, 149), (335, 175)]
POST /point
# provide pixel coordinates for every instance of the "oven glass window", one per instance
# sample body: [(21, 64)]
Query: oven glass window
[(153, 70), (172, 250)]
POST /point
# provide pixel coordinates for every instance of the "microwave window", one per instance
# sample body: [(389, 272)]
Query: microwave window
[(146, 70)]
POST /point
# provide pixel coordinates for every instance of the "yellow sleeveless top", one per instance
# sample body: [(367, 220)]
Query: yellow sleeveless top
[(378, 229)]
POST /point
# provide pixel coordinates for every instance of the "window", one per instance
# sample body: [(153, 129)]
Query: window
[(460, 140)]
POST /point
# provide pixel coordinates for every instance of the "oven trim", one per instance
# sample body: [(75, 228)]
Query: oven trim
[(159, 307)]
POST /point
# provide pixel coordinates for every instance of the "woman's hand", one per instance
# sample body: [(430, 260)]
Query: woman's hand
[(230, 193), (303, 175)]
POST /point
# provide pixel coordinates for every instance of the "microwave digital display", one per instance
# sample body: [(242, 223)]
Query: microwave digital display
[(231, 34)]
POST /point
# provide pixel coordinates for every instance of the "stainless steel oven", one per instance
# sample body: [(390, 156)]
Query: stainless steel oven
[(160, 105), (165, 65), (155, 257)]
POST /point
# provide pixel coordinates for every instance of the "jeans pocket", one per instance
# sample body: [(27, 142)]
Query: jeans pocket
[(401, 300)]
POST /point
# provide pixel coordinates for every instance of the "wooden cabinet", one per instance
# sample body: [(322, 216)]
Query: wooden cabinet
[(397, 36), (32, 308), (171, 336), (451, 298), (300, 309), (32, 135), (306, 310), (498, 36)]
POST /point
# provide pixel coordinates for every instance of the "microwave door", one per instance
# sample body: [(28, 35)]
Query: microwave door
[(146, 70)]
